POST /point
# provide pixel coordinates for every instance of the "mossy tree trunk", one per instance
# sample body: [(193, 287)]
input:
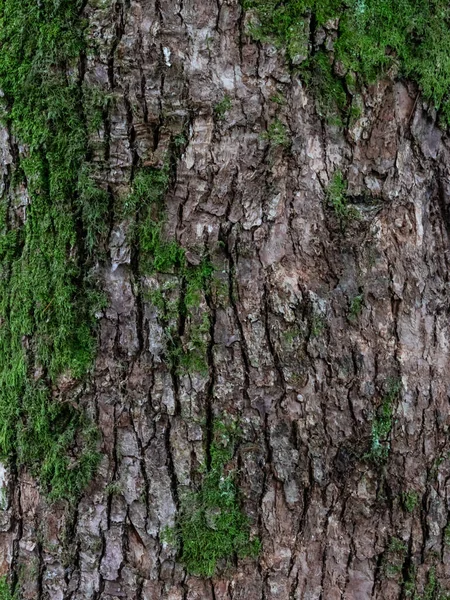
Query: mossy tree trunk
[(274, 340)]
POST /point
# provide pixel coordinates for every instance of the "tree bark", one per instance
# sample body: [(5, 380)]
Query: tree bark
[(313, 323)]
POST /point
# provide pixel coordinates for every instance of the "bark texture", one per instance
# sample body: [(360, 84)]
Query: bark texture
[(313, 323)]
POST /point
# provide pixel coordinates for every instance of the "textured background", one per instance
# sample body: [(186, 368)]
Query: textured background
[(283, 354)]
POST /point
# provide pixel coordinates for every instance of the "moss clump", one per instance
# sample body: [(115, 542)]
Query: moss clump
[(222, 107), (186, 331), (211, 525), (145, 205), (277, 134), (394, 557), (186, 351), (433, 589), (329, 90), (46, 302), (287, 24), (317, 322), (355, 308), (413, 36), (382, 424), (5, 590), (336, 199), (410, 500), (278, 98)]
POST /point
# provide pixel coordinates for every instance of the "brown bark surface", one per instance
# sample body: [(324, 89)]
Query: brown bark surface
[(285, 354)]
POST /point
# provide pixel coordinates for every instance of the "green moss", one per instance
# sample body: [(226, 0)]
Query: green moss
[(328, 90), (191, 357), (93, 204), (355, 110), (278, 98), (285, 23), (336, 199), (394, 557), (156, 254), (411, 36), (277, 134), (115, 488), (222, 107), (291, 337), (187, 351), (5, 590), (47, 302), (355, 307), (410, 500), (317, 323), (447, 534), (409, 584), (211, 525), (433, 589), (382, 424)]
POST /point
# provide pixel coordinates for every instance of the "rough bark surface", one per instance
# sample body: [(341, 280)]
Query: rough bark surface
[(286, 355)]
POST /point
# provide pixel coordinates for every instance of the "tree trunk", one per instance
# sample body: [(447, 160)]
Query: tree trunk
[(326, 338)]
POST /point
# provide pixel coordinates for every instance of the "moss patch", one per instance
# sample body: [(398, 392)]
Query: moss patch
[(222, 107), (277, 134), (5, 591), (394, 558), (47, 304), (433, 589), (410, 500), (336, 199), (211, 525), (373, 36), (382, 424), (355, 308), (186, 329)]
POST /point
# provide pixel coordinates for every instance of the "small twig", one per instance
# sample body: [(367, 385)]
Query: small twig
[(48, 306), (414, 107)]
